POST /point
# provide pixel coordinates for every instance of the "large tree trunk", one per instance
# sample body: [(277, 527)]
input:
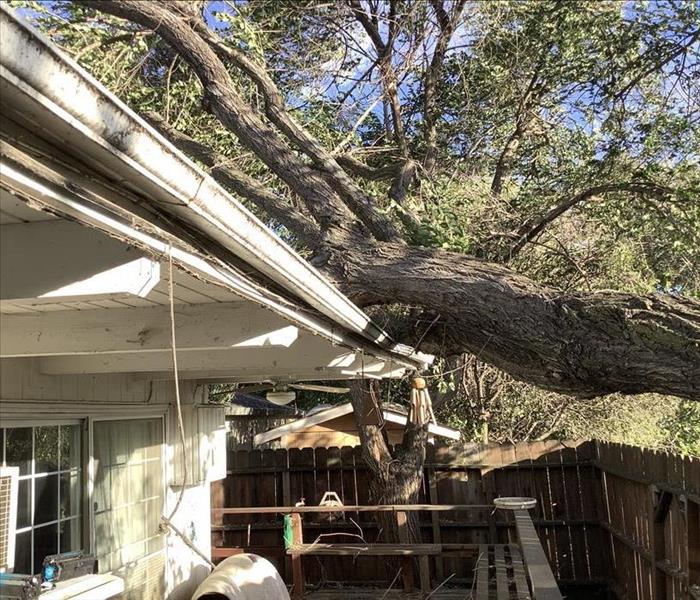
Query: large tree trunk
[(397, 473), (583, 344)]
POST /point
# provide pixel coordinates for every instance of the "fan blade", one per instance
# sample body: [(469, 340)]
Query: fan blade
[(310, 387), (250, 389)]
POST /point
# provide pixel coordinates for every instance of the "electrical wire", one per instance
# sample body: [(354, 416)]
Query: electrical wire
[(167, 521), (178, 404)]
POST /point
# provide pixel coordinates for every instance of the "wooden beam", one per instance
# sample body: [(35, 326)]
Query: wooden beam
[(664, 565), (406, 563), (213, 326), (297, 566), (502, 592), (55, 261), (365, 549), (298, 362), (435, 520), (544, 585), (482, 574), (283, 510), (659, 506)]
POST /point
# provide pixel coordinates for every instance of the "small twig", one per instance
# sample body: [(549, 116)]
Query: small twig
[(393, 581), (362, 533), (438, 587)]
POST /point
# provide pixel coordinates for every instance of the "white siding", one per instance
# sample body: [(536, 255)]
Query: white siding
[(27, 396)]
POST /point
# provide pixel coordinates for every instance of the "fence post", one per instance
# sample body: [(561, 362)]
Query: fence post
[(435, 519), (297, 568), (406, 563)]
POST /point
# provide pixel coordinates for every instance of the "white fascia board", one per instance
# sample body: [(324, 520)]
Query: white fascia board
[(339, 411), (433, 428), (30, 61), (59, 261)]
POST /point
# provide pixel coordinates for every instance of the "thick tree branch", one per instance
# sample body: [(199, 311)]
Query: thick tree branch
[(529, 230), (447, 26), (241, 183), (584, 344), (237, 115), (385, 57), (360, 204), (357, 167)]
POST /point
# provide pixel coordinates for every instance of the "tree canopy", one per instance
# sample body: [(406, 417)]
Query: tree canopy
[(482, 175)]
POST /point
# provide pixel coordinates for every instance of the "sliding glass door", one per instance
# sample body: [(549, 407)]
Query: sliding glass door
[(128, 490)]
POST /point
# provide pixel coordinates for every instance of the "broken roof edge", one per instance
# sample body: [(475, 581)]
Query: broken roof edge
[(116, 136), (34, 183), (341, 410), (238, 230)]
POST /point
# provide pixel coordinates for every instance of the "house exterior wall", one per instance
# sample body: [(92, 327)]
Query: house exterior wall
[(28, 398)]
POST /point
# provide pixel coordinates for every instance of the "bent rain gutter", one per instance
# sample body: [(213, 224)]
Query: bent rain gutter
[(193, 195)]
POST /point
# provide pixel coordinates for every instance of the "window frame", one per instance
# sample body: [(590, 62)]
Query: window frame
[(33, 476)]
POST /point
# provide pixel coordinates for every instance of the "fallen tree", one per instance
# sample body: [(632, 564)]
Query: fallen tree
[(364, 236)]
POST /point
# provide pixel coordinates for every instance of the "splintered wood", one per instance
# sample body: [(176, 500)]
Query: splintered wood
[(420, 409)]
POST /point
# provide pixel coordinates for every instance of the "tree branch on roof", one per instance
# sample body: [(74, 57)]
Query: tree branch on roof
[(276, 207)]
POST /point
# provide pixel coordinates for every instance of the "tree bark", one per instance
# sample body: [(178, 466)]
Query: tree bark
[(397, 474), (580, 344), (583, 344)]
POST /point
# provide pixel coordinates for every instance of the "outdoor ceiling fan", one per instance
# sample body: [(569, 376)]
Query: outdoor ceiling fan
[(280, 394)]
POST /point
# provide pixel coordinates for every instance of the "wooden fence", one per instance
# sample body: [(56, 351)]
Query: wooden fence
[(652, 517), (594, 513)]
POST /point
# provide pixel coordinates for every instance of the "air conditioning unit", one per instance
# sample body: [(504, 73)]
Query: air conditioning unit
[(9, 483)]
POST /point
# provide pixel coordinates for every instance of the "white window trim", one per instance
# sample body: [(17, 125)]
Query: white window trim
[(86, 419)]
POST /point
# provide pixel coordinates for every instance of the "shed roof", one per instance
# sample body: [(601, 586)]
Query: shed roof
[(390, 414)]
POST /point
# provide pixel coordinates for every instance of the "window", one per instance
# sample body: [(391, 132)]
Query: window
[(128, 493), (50, 475)]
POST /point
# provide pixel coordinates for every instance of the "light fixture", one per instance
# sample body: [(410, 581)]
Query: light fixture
[(280, 397)]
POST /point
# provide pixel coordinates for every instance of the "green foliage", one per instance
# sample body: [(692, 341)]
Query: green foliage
[(482, 400), (683, 428), (564, 95)]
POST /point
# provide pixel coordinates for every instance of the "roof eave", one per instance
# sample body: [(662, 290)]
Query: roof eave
[(131, 150)]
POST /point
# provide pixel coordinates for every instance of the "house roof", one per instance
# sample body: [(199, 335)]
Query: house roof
[(390, 414), (70, 147)]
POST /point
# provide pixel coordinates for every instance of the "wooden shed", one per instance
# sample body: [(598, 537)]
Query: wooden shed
[(332, 426)]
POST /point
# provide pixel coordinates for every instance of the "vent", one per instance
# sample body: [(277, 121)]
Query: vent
[(9, 481)]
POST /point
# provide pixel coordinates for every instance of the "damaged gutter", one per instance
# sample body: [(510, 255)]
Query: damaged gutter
[(67, 104), (23, 181)]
